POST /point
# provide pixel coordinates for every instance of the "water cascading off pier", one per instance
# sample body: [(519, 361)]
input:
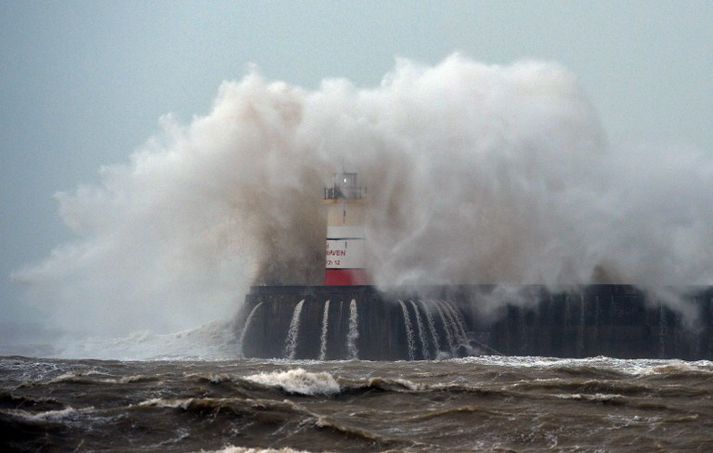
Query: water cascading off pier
[(357, 322)]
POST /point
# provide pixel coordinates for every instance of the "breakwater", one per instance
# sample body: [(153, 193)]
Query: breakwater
[(328, 323)]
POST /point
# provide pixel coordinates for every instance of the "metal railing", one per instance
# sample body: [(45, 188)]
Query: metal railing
[(345, 193)]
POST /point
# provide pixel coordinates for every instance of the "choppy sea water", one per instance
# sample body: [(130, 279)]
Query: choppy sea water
[(482, 403)]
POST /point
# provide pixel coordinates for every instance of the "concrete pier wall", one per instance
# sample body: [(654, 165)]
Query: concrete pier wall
[(611, 320)]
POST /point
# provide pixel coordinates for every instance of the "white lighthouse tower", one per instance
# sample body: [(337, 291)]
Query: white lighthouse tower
[(346, 257)]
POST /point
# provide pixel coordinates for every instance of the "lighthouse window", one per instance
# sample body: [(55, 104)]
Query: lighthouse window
[(344, 185)]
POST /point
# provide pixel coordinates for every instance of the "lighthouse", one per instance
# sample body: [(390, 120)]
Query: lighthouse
[(345, 244)]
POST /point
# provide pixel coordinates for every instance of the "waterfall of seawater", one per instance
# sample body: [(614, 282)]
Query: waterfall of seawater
[(459, 336), (248, 321), (458, 321), (293, 332), (432, 328), (458, 327), (409, 332), (446, 326), (323, 337), (421, 331), (353, 334)]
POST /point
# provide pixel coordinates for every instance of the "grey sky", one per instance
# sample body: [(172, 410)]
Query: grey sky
[(83, 83)]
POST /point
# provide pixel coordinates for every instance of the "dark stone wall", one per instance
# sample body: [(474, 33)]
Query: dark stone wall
[(380, 323), (611, 320)]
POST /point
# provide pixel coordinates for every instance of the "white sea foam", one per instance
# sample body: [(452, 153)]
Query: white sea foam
[(410, 385), (629, 366), (167, 403), (91, 376), (599, 397), (298, 381), (54, 415), (234, 449), (185, 403), (213, 378), (64, 377), (68, 415)]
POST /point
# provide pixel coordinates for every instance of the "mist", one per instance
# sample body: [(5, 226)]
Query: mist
[(476, 173)]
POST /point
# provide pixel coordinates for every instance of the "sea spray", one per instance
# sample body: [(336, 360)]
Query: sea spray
[(353, 333), (503, 169), (216, 340), (323, 336), (293, 332)]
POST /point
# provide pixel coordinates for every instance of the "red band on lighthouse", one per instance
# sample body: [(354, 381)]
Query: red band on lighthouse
[(346, 277)]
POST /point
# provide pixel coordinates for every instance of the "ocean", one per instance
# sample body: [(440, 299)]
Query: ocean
[(474, 403)]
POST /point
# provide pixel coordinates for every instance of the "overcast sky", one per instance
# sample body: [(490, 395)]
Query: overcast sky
[(83, 83)]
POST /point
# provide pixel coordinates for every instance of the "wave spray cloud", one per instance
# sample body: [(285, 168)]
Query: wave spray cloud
[(476, 174)]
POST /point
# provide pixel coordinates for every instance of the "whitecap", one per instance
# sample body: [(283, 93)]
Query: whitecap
[(167, 403), (234, 449), (298, 381), (635, 367)]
